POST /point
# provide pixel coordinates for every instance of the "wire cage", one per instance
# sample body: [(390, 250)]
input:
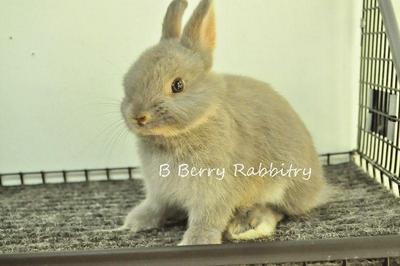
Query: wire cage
[(379, 116), (377, 153)]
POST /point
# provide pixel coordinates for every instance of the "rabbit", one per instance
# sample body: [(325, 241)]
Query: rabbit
[(183, 112)]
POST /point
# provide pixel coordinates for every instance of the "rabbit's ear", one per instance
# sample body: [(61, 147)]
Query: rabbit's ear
[(173, 19), (199, 33)]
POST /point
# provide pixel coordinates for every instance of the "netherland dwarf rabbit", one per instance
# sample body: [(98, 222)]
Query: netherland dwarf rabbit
[(184, 114)]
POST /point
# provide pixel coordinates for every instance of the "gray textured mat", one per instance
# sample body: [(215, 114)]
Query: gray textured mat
[(65, 216)]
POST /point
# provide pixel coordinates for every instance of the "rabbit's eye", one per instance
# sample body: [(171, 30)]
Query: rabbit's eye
[(177, 85)]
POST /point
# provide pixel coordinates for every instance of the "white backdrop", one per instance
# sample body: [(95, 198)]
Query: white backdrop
[(62, 62)]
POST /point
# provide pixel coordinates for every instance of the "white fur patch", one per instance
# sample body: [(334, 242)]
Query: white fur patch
[(121, 228), (264, 229)]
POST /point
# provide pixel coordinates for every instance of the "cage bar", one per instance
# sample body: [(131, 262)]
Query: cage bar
[(83, 175), (301, 251)]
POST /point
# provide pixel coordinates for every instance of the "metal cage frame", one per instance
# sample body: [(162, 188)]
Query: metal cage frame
[(379, 95)]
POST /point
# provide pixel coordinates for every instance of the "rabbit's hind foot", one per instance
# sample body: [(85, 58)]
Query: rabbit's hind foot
[(257, 221)]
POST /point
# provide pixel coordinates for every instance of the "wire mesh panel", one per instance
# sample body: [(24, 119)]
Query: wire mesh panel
[(379, 113)]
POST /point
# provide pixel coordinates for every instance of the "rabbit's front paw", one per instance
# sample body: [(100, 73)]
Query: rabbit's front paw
[(201, 237), (147, 215), (132, 225), (140, 222)]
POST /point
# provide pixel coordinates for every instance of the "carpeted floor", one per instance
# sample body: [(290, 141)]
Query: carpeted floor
[(66, 216)]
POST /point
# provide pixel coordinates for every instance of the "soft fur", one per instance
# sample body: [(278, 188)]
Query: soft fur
[(217, 121)]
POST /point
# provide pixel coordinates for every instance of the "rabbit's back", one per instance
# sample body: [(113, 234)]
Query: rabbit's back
[(260, 112), (270, 131)]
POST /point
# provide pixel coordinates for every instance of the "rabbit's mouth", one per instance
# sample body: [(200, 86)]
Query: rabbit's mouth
[(158, 130), (153, 129)]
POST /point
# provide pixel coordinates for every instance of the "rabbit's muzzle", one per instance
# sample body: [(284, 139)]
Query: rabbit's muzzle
[(142, 119)]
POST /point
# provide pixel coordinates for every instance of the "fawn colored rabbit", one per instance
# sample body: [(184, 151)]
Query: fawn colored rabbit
[(184, 113)]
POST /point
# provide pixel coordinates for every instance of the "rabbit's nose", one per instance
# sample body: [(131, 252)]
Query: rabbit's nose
[(141, 120)]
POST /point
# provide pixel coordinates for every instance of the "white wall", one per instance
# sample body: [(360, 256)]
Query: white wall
[(61, 66), (396, 7)]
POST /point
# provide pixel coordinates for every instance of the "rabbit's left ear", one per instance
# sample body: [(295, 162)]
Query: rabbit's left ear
[(173, 19), (199, 33)]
